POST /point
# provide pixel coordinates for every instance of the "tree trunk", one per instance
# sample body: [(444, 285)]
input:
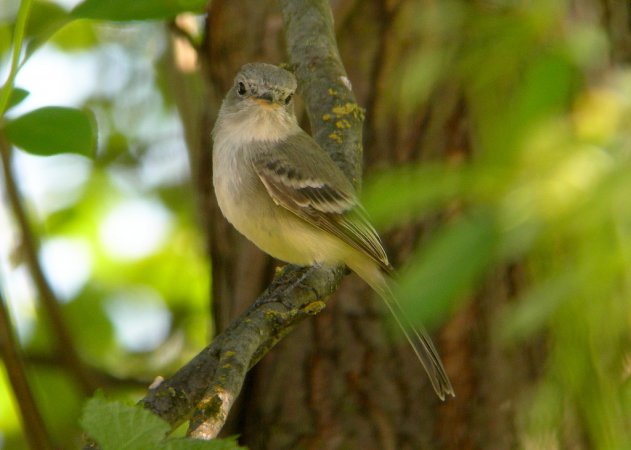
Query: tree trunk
[(338, 381)]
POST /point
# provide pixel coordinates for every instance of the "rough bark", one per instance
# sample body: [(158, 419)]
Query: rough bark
[(339, 381)]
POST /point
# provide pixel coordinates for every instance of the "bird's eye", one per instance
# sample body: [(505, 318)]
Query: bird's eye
[(241, 90), (288, 99)]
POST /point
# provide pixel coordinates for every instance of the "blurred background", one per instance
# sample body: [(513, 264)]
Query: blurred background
[(117, 234), (498, 154)]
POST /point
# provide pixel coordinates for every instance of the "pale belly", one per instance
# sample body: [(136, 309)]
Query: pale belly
[(282, 235), (275, 230)]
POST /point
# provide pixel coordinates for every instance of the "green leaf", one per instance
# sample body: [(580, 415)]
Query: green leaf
[(399, 195), (44, 15), (77, 35), (54, 129), (17, 95), (547, 89), (534, 308), (115, 425), (45, 20), (118, 426), (125, 10), (449, 266)]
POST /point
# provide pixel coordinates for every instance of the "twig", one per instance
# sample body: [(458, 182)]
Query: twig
[(102, 378), (64, 343), (33, 425), (210, 383), (16, 51), (179, 31)]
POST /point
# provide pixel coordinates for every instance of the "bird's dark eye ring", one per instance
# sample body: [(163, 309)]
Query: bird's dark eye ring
[(241, 90), (288, 99)]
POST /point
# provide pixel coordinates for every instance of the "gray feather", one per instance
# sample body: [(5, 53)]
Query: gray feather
[(317, 191)]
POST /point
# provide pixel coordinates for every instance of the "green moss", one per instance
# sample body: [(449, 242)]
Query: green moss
[(275, 316), (212, 408)]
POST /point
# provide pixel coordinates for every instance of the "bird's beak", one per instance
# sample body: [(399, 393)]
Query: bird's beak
[(266, 96), (266, 100)]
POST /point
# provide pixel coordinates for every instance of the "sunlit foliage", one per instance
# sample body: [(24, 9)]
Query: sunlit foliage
[(543, 184), (118, 237)]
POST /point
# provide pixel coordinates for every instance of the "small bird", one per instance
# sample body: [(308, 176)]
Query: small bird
[(279, 189)]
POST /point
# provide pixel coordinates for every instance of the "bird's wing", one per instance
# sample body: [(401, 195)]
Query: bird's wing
[(317, 191)]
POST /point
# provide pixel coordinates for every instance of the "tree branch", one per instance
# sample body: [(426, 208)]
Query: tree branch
[(205, 389), (336, 119), (33, 425), (182, 32), (213, 379), (64, 343), (102, 378)]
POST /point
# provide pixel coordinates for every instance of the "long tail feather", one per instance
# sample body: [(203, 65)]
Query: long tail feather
[(417, 336)]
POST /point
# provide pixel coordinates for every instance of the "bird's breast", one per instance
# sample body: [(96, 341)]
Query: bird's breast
[(247, 205)]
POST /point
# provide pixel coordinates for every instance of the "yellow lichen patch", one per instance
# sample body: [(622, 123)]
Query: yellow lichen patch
[(343, 124), (314, 308), (336, 136), (229, 354), (326, 117), (347, 109), (333, 92)]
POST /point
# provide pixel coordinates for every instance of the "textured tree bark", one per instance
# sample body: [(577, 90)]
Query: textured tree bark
[(338, 381), (236, 34)]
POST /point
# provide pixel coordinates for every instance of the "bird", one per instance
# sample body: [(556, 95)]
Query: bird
[(284, 193)]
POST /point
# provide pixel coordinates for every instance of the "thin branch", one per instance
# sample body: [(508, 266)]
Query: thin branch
[(205, 389), (64, 343), (180, 31), (102, 378), (18, 37), (32, 422)]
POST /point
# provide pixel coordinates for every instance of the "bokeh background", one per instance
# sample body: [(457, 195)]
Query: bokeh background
[(118, 239), (498, 152)]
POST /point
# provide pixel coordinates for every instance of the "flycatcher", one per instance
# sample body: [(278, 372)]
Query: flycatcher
[(285, 194)]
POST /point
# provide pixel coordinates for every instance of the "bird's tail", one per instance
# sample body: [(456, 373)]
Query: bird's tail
[(416, 336)]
